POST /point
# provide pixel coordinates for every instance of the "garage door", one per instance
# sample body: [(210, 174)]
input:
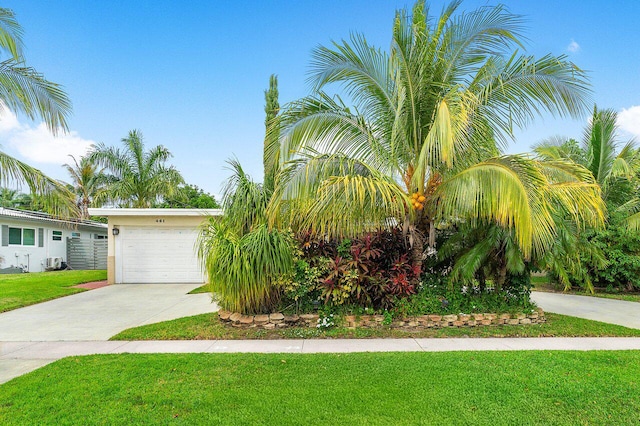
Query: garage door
[(158, 255)]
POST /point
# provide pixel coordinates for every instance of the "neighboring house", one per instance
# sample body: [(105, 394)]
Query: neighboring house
[(154, 245), (34, 240)]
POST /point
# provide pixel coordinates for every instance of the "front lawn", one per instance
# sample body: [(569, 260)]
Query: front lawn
[(19, 290), (208, 326), (466, 388)]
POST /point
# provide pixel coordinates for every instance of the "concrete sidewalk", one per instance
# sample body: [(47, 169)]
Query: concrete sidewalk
[(17, 358), (612, 311)]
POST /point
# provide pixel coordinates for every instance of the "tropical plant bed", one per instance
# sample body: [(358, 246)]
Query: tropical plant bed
[(279, 320)]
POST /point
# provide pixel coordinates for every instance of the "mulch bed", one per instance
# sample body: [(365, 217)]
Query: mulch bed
[(92, 285)]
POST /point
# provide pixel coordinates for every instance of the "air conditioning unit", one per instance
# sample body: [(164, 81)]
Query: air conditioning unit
[(53, 263)]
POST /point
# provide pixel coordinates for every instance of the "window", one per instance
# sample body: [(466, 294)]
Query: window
[(57, 235), (22, 236), (99, 237), (75, 235), (15, 236), (28, 237)]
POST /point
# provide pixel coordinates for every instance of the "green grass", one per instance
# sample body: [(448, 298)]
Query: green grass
[(19, 290), (451, 388), (543, 283), (208, 326), (202, 289)]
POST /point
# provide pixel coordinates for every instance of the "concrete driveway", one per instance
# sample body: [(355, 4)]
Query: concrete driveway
[(99, 314), (612, 311)]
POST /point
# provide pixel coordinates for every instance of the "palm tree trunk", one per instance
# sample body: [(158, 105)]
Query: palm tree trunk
[(501, 277), (432, 234), (417, 249)]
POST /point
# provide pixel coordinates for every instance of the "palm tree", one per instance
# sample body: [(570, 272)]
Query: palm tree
[(8, 197), (614, 163), (243, 257), (24, 90), (139, 178), (89, 183), (12, 198), (602, 152), (419, 142)]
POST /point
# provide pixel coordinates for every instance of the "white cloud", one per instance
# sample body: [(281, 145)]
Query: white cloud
[(8, 120), (573, 47), (629, 120), (38, 145)]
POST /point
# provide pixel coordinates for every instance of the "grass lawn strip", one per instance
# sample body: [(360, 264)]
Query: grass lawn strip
[(202, 289), (479, 388), (19, 290), (209, 327), (542, 283)]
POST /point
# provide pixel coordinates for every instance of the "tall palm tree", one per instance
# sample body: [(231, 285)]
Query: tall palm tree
[(602, 151), (89, 183), (24, 90), (139, 178), (614, 163), (419, 141), (243, 256)]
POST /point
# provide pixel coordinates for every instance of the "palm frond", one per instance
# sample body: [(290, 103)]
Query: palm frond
[(25, 90)]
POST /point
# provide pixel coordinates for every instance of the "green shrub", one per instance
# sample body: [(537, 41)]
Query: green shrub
[(436, 296)]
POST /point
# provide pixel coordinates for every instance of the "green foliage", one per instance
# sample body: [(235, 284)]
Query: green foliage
[(302, 289), (189, 197), (12, 198), (428, 119), (88, 184), (326, 320), (23, 89), (243, 269), (139, 177), (271, 151), (436, 296), (621, 250), (243, 257)]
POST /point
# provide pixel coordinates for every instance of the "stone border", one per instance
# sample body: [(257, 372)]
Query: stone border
[(279, 320)]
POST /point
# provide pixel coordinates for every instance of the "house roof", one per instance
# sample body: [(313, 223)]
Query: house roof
[(44, 217), (155, 212)]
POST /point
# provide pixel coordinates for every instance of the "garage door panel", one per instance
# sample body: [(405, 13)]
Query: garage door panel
[(160, 255)]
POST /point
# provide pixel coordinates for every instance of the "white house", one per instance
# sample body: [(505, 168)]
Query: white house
[(154, 245), (30, 238)]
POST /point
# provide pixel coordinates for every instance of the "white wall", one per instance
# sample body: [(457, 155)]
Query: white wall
[(34, 257)]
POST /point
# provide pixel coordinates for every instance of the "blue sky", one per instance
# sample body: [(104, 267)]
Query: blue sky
[(191, 75)]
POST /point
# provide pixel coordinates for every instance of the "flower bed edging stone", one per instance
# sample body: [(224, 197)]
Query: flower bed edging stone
[(279, 320)]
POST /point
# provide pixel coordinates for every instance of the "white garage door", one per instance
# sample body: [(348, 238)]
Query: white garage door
[(158, 255)]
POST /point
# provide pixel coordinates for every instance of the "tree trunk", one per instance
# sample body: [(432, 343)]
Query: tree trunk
[(482, 280), (502, 275), (432, 235), (417, 249)]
